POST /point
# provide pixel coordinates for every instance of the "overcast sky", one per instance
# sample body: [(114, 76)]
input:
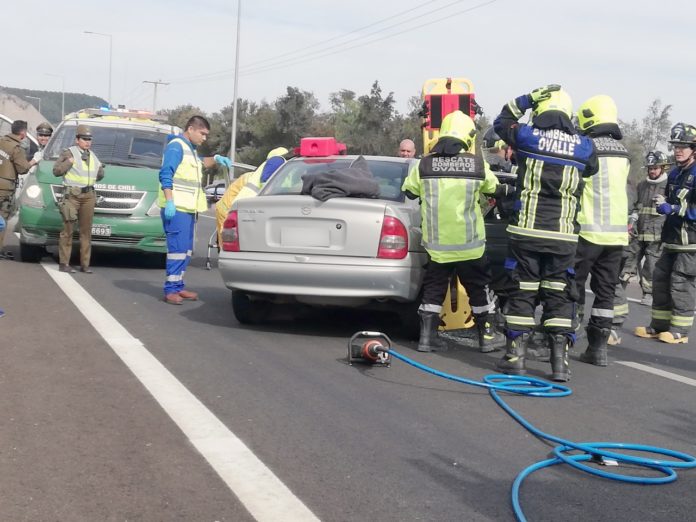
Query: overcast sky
[(634, 51)]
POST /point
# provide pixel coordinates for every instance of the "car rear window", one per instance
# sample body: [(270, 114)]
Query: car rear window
[(288, 180)]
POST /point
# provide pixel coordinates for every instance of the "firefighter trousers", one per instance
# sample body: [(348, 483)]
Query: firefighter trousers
[(474, 275), (647, 252), (674, 292), (603, 263), (545, 277)]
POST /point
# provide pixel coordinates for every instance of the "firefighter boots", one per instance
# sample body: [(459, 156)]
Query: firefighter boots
[(596, 352), (513, 362), (429, 340), (486, 333), (559, 345)]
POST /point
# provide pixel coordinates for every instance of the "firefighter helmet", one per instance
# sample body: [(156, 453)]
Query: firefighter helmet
[(557, 101), (459, 126), (683, 134), (597, 110), (656, 159)]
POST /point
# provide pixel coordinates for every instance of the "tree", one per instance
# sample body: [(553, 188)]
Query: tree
[(295, 113)]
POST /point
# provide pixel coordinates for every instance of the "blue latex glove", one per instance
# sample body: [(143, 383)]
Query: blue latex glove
[(2, 224), (667, 209), (223, 160), (169, 209)]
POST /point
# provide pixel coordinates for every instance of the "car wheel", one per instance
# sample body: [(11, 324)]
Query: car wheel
[(247, 310), (31, 253)]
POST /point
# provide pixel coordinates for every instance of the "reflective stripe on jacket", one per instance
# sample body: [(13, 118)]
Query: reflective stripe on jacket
[(82, 173), (604, 200), (450, 188), (187, 193)]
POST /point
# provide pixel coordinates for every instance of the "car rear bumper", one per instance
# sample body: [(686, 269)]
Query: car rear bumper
[(323, 276)]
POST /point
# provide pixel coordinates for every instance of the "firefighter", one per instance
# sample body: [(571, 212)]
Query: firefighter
[(674, 278), (551, 159), (449, 182), (258, 178), (645, 246), (603, 223)]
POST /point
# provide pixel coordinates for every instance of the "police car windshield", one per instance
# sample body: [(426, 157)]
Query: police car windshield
[(288, 179), (114, 145)]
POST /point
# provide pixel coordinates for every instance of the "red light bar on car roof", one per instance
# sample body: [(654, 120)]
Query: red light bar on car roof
[(316, 147)]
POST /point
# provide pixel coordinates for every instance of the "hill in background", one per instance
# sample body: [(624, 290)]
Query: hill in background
[(51, 101)]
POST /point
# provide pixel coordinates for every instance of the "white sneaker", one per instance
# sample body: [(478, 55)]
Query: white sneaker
[(647, 300)]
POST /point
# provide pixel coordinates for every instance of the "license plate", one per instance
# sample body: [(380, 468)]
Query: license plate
[(101, 230)]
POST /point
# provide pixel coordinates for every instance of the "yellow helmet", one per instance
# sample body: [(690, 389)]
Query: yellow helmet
[(597, 110), (459, 126), (278, 151), (557, 101)]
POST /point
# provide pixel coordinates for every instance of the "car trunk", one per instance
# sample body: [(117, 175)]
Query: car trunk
[(304, 225)]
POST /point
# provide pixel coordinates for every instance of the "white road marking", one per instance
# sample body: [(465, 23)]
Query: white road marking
[(262, 493), (661, 373)]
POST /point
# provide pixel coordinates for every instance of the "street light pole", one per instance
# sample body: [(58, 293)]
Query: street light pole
[(62, 106), (233, 147), (111, 48), (35, 98)]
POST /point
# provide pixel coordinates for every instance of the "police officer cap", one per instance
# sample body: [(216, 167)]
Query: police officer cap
[(83, 130), (44, 129)]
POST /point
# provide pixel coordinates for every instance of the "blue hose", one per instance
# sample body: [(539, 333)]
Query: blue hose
[(590, 451)]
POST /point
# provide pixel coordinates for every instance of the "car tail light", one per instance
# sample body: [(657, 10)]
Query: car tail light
[(393, 240), (230, 233)]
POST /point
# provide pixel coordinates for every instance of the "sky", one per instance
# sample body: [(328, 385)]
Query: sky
[(634, 51)]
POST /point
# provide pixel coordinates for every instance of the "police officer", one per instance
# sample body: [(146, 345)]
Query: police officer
[(674, 278), (44, 131), (603, 223), (449, 181), (13, 163), (80, 169), (551, 158)]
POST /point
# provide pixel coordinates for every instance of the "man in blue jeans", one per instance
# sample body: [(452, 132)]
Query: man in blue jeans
[(181, 198)]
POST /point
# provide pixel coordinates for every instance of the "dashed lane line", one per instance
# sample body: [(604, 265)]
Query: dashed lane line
[(661, 373), (263, 494)]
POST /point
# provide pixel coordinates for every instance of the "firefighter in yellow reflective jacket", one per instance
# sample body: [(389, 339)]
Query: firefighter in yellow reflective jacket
[(449, 181), (258, 177), (603, 223)]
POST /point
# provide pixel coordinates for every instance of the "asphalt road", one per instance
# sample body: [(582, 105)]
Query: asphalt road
[(83, 439)]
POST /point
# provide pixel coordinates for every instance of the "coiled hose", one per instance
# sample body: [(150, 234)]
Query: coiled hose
[(590, 451)]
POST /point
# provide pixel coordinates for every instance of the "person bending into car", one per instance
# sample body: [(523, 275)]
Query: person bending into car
[(449, 182), (181, 197), (80, 169)]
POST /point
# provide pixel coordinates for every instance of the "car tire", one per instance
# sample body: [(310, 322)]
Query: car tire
[(31, 253), (247, 310)]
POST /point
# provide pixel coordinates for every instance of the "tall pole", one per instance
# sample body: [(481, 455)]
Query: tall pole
[(62, 105), (154, 97), (111, 48), (35, 98), (233, 147)]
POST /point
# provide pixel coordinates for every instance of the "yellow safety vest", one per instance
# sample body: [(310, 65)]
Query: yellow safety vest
[(82, 173), (187, 194), (604, 201)]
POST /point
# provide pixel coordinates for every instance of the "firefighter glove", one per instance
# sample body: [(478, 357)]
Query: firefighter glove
[(667, 209), (169, 209), (543, 93), (223, 160)]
